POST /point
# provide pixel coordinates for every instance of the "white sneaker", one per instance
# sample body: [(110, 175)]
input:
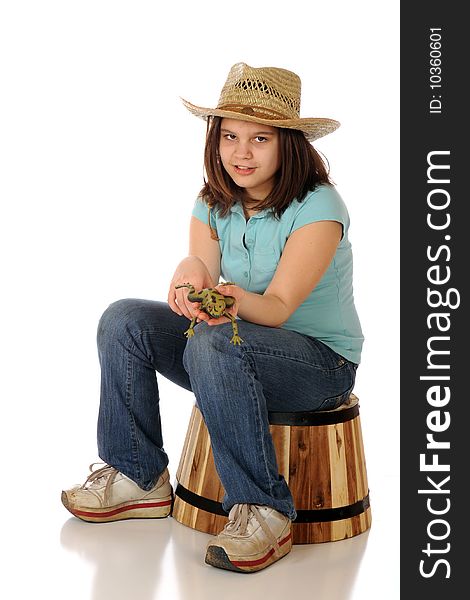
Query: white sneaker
[(254, 538), (108, 495)]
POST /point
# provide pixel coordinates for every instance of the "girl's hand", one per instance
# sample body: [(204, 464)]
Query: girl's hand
[(227, 290), (190, 270)]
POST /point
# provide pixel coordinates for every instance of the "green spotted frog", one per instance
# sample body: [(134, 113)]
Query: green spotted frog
[(214, 304)]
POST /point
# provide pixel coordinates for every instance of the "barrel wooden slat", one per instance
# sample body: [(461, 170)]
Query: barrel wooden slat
[(324, 466), (338, 478), (281, 438), (305, 468), (197, 470), (187, 454), (338, 475), (354, 478), (197, 474), (360, 458), (208, 485), (182, 511)]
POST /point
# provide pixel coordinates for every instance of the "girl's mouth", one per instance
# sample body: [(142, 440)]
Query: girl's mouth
[(240, 170)]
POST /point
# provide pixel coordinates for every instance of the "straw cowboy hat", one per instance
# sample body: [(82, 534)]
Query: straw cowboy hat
[(266, 95)]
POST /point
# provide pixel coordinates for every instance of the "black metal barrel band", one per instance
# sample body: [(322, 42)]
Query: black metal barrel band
[(321, 515), (326, 417)]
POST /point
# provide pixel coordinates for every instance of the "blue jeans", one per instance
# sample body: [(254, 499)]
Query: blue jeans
[(235, 387)]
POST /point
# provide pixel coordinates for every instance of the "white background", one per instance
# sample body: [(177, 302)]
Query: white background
[(100, 166)]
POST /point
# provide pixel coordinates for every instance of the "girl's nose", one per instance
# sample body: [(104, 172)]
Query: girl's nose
[(243, 150)]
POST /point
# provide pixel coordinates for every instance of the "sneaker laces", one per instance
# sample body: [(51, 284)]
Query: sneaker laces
[(239, 518), (96, 475)]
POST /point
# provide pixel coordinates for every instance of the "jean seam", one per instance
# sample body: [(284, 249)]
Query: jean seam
[(296, 359), (157, 330), (259, 422), (134, 442), (154, 330)]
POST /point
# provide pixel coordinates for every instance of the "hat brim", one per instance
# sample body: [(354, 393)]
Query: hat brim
[(312, 128)]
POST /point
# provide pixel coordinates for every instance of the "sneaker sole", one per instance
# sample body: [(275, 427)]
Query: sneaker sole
[(216, 556), (142, 509)]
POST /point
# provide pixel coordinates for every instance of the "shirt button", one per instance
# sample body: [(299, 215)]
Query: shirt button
[(245, 274)]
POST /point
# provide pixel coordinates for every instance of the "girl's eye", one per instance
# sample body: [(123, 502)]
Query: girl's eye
[(232, 137)]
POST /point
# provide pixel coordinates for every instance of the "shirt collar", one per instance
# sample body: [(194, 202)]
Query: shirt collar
[(237, 208)]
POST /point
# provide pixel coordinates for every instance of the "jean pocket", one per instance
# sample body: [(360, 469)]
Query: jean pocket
[(334, 402)]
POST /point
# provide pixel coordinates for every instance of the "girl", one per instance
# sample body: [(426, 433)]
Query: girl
[(269, 219)]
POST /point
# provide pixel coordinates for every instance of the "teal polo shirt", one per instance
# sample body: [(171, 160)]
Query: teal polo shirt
[(250, 252)]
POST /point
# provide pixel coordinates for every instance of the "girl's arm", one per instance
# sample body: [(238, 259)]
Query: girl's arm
[(204, 247), (201, 268), (306, 256)]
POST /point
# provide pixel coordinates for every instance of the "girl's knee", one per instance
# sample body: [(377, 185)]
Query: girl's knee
[(116, 318), (207, 345)]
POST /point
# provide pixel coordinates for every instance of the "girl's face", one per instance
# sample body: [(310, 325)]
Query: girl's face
[(251, 156)]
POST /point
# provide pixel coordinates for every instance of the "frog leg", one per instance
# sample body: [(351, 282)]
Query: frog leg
[(236, 339), (190, 331)]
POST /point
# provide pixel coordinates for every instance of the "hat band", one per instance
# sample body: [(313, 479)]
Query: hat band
[(255, 111)]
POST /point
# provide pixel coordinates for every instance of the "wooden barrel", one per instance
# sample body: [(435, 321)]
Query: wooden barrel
[(321, 456)]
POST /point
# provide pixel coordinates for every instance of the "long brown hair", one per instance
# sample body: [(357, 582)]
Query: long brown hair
[(302, 170)]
